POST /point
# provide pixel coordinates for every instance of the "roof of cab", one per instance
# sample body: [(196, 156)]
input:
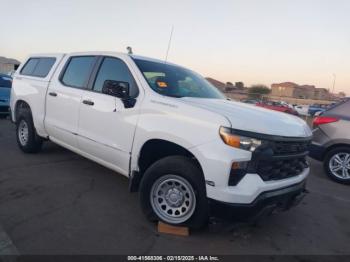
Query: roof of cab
[(120, 54), (45, 54), (104, 53), (151, 59)]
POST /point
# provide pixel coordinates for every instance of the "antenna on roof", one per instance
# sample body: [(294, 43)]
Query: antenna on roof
[(129, 49), (171, 35)]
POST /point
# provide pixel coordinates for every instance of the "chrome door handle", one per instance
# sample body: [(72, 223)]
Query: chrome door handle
[(88, 102)]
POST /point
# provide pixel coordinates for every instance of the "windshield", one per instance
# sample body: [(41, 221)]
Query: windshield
[(175, 81)]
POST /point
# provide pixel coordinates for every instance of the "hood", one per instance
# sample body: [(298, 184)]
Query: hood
[(255, 119)]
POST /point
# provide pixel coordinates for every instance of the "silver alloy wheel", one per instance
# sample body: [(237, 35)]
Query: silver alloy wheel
[(339, 165), (172, 199), (23, 132)]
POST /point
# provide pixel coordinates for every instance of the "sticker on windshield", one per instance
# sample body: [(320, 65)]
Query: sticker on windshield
[(162, 84)]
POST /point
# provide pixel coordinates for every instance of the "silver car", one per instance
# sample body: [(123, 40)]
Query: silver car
[(331, 141)]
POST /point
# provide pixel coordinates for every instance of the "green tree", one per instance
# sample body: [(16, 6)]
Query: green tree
[(342, 94), (258, 91)]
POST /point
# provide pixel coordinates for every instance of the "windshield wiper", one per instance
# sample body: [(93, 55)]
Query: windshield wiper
[(176, 96)]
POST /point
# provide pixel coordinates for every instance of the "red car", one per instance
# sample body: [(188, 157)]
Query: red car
[(277, 107)]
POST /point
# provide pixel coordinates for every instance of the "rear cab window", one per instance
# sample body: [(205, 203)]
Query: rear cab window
[(38, 66)]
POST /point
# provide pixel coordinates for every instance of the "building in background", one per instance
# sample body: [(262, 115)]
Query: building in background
[(8, 65), (305, 91), (218, 84), (228, 86), (286, 91), (293, 90), (321, 93), (235, 91)]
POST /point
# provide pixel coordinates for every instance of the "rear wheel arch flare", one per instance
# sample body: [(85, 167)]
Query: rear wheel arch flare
[(334, 146), (21, 105)]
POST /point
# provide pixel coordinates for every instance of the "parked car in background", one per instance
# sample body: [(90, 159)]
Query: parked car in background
[(316, 108), (283, 103), (302, 109), (250, 101), (277, 107), (331, 141), (181, 143), (5, 91), (11, 73)]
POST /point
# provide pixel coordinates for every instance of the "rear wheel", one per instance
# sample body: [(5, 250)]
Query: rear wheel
[(172, 190), (27, 138), (337, 164)]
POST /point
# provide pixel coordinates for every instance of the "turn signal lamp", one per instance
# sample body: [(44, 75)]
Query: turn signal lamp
[(243, 142)]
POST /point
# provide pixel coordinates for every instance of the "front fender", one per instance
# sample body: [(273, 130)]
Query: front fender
[(180, 123)]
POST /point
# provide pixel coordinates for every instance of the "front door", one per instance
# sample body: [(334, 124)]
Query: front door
[(106, 128)]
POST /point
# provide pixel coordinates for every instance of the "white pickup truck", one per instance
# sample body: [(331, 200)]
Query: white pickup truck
[(184, 146)]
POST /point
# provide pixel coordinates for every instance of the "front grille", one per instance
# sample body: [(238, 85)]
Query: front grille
[(289, 147), (281, 169), (275, 160), (285, 159)]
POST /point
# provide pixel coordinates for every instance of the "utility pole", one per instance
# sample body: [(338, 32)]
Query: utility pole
[(334, 77)]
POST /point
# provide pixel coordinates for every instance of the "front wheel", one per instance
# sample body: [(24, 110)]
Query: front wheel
[(173, 190), (337, 164)]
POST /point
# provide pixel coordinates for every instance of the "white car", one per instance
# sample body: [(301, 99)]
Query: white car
[(283, 103), (181, 143), (302, 109)]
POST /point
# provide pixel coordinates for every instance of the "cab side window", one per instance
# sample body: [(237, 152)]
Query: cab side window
[(114, 69), (77, 71), (29, 67), (38, 67)]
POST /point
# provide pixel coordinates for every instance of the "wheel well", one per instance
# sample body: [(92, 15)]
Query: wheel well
[(20, 105), (152, 151), (333, 147), (156, 149)]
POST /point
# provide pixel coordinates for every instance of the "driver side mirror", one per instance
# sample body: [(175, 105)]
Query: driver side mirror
[(116, 88)]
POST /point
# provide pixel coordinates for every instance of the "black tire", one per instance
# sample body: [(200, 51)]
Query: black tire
[(33, 142), (326, 162), (3, 116), (182, 167)]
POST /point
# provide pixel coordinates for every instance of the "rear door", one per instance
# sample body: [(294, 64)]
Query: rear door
[(106, 127), (64, 98)]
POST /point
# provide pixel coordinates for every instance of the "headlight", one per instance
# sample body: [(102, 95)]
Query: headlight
[(246, 143)]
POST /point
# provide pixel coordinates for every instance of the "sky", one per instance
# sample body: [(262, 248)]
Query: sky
[(254, 41)]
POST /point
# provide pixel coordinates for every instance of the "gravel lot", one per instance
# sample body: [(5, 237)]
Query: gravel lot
[(57, 202)]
